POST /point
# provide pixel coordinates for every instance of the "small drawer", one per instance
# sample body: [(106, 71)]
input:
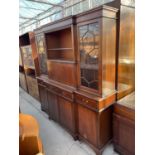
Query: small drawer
[(86, 101), (40, 81), (67, 95), (54, 89)]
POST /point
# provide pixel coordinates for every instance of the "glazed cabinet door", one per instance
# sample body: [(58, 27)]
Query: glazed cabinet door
[(43, 97), (27, 56), (41, 53), (53, 106), (89, 46), (66, 113)]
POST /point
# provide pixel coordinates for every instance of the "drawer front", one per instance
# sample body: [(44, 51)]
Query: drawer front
[(53, 89), (67, 95), (86, 101), (40, 81), (60, 92)]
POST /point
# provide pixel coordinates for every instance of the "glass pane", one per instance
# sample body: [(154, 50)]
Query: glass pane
[(27, 56), (42, 54), (89, 50), (20, 58)]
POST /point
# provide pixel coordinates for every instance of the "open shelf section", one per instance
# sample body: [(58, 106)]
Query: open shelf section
[(59, 45), (61, 61)]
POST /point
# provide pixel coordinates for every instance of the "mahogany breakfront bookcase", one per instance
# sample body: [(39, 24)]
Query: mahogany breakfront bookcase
[(77, 61), (28, 64)]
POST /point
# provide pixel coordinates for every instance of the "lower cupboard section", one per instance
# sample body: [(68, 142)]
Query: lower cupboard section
[(124, 129), (32, 86), (22, 81), (95, 127), (43, 97), (91, 126), (62, 111)]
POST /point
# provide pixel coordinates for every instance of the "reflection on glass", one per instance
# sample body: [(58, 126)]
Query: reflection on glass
[(27, 56), (89, 50), (42, 55), (20, 58)]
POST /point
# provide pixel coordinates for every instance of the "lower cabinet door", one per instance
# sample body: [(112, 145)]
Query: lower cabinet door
[(43, 98), (66, 110), (53, 106), (87, 124), (32, 86), (22, 81), (124, 135)]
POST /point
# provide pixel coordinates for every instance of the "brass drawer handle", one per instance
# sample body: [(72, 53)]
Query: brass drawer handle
[(85, 100)]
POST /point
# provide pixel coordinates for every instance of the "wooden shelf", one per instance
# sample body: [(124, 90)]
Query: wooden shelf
[(29, 67), (89, 66), (61, 61), (60, 49)]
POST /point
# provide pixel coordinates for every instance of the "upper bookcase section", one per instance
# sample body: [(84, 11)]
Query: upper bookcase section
[(56, 25), (59, 39)]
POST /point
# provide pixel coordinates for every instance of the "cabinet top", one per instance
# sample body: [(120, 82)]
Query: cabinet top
[(56, 25), (128, 101), (130, 3), (101, 11)]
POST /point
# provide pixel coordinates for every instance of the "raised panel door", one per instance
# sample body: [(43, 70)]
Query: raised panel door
[(53, 106), (66, 113), (43, 97)]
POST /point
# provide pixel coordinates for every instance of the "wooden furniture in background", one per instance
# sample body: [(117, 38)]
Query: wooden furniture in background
[(126, 56), (124, 112), (42, 57), (29, 140), (22, 78), (30, 62), (124, 125)]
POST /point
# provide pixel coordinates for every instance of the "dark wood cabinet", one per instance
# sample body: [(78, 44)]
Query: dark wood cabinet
[(96, 32), (96, 73), (53, 106), (43, 97), (32, 86), (22, 78), (126, 56), (59, 49), (30, 62), (22, 81), (67, 118), (124, 125), (61, 107)]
